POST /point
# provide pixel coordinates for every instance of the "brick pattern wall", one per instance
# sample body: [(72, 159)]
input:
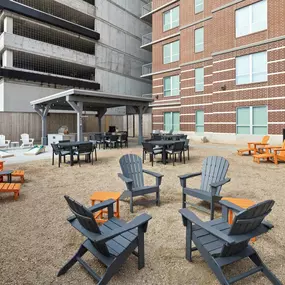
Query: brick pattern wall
[(221, 95)]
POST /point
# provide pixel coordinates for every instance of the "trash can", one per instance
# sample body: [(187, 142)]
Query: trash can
[(44, 140)]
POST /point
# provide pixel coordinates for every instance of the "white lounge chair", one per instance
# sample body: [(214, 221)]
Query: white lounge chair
[(26, 141), (3, 142)]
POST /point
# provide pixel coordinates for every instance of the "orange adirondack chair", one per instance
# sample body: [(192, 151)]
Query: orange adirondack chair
[(274, 153), (252, 146)]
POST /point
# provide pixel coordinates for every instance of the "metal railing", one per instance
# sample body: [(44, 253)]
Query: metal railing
[(146, 8), (147, 95), (147, 69), (146, 39)]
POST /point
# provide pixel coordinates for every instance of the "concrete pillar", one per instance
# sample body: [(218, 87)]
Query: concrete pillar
[(79, 121), (8, 25), (140, 137), (134, 126), (101, 113), (7, 58)]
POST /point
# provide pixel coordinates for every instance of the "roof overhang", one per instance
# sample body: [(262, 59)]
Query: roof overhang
[(92, 100)]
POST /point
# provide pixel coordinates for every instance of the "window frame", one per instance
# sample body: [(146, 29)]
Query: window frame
[(171, 24), (199, 44), (171, 52), (195, 4), (202, 83), (171, 86), (251, 56), (172, 121), (251, 123), (199, 125), (250, 20)]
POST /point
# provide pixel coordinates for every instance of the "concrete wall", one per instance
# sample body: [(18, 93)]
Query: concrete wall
[(1, 95)]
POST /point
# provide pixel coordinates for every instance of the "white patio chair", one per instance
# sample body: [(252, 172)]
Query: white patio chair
[(26, 141), (3, 142)]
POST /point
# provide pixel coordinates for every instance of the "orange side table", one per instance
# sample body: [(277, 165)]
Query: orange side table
[(243, 203), (101, 197)]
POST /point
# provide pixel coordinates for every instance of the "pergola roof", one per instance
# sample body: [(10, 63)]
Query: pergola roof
[(92, 100)]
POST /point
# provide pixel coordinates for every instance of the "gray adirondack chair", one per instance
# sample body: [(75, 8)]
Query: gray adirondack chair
[(132, 175), (111, 243), (222, 244), (213, 177)]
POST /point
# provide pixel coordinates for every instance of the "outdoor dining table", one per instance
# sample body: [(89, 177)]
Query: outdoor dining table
[(71, 146), (164, 145)]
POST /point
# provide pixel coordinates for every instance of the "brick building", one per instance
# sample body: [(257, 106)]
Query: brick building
[(218, 67)]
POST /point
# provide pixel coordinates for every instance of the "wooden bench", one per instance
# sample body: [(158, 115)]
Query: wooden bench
[(11, 187), (19, 173)]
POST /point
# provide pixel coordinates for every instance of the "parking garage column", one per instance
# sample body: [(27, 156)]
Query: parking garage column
[(8, 25)]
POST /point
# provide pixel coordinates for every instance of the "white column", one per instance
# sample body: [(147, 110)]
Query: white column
[(8, 25), (7, 58)]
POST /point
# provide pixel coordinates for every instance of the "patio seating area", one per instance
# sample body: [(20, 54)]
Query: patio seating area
[(35, 225)]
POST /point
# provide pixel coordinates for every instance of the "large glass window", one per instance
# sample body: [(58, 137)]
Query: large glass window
[(172, 121), (199, 79), (171, 85), (252, 120), (199, 40), (171, 52), (251, 68), (199, 124), (171, 19), (199, 6), (251, 19)]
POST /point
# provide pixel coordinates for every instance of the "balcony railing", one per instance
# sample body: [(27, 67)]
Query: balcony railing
[(146, 39), (147, 96), (147, 69), (146, 8)]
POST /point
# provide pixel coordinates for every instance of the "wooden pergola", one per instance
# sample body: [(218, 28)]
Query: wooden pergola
[(79, 100)]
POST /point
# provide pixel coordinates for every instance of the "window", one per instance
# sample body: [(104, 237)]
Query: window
[(251, 68), (171, 52), (172, 121), (199, 125), (199, 79), (199, 6), (252, 120), (171, 19), (171, 86), (251, 19), (199, 40)]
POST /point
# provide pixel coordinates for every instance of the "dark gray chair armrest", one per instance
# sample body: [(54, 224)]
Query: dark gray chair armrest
[(158, 176), (220, 183), (267, 224), (140, 221), (128, 181), (184, 177), (231, 206), (190, 216), (106, 204)]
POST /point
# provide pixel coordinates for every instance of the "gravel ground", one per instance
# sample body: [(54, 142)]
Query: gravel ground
[(36, 240)]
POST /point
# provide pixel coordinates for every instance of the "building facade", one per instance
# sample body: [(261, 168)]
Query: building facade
[(218, 68), (48, 46)]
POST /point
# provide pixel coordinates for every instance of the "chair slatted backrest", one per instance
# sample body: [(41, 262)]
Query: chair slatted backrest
[(245, 222), (55, 148), (147, 147), (131, 165), (2, 139), (178, 146), (265, 139), (25, 138), (87, 221), (156, 137), (214, 170), (85, 147)]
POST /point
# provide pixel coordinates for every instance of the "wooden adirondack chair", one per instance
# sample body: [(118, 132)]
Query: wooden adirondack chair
[(132, 175), (26, 140), (252, 146), (222, 244), (276, 154), (213, 177), (111, 243)]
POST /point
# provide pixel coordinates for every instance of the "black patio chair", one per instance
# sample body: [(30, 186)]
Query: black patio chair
[(187, 147), (156, 137), (111, 243), (112, 141), (177, 148), (222, 244), (85, 149), (123, 139), (148, 148), (56, 150), (99, 138)]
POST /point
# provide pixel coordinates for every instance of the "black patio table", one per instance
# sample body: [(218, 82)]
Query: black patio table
[(164, 145), (71, 146)]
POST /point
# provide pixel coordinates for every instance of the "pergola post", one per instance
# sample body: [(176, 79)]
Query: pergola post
[(43, 114), (101, 113), (78, 107)]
